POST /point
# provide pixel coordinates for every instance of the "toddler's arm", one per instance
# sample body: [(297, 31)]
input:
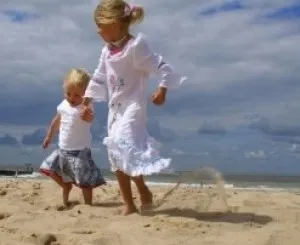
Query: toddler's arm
[(52, 130)]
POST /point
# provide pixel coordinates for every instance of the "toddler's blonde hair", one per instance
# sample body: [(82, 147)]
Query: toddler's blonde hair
[(77, 77), (108, 11)]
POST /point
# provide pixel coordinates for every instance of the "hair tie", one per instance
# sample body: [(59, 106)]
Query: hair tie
[(128, 9)]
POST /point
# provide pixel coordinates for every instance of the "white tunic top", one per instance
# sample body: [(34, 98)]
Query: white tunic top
[(124, 76), (74, 133)]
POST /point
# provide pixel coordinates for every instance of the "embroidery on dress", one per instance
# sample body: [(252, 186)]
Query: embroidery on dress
[(115, 107), (116, 84), (120, 83)]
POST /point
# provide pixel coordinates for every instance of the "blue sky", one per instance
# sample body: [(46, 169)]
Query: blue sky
[(238, 111)]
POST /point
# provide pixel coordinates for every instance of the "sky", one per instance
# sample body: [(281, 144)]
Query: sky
[(238, 110)]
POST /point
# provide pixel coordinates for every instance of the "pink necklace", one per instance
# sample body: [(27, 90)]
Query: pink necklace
[(117, 46)]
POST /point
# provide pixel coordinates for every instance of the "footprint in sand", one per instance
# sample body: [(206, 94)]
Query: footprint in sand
[(71, 205), (10, 230), (36, 186), (30, 197), (44, 239), (112, 198), (12, 185), (115, 239), (84, 232), (3, 192), (4, 216), (61, 207), (109, 239)]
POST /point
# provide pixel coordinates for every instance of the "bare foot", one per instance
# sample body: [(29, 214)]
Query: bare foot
[(129, 210), (146, 201), (147, 198), (67, 204)]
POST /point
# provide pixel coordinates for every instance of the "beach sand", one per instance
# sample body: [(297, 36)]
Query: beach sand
[(31, 213)]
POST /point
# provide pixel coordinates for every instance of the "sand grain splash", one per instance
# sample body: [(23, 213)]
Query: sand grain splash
[(201, 176)]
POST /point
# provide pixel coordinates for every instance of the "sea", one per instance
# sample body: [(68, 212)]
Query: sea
[(208, 177)]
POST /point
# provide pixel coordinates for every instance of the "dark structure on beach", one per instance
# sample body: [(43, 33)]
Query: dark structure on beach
[(15, 172)]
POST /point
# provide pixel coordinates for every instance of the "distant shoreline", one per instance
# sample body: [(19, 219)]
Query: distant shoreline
[(230, 175)]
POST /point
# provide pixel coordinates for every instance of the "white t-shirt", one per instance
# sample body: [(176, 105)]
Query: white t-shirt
[(74, 133)]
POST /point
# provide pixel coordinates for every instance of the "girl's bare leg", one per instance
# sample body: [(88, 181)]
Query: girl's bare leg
[(145, 193), (87, 195), (125, 188)]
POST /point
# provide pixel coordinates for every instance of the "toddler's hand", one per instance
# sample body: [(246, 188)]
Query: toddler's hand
[(46, 142), (159, 96)]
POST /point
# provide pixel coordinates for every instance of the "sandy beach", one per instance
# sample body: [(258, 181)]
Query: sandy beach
[(31, 213)]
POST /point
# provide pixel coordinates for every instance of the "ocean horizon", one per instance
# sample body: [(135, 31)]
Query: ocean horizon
[(202, 178)]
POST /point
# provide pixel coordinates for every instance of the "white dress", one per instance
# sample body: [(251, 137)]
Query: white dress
[(124, 76)]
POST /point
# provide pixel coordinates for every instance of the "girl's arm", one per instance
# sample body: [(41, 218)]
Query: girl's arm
[(96, 89), (88, 114), (150, 62), (89, 117)]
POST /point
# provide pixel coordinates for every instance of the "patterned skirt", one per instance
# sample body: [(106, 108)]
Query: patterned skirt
[(77, 167)]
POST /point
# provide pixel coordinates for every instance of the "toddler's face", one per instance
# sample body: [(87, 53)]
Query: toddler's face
[(74, 95)]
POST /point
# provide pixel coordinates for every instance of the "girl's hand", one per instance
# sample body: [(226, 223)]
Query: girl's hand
[(83, 112), (159, 96), (46, 142)]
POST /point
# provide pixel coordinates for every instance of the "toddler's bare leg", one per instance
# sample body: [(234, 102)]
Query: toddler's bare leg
[(66, 193), (87, 195), (67, 187)]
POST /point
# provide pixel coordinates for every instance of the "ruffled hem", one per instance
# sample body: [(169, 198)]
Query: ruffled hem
[(133, 161), (51, 174)]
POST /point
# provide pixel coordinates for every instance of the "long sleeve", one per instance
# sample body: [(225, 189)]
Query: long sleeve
[(97, 88), (150, 62)]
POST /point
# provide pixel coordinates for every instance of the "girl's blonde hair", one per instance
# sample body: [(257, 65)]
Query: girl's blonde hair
[(108, 11), (77, 77)]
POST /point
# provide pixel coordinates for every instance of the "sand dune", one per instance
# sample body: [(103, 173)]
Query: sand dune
[(31, 213)]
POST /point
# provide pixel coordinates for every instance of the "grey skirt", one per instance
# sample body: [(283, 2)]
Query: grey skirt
[(77, 167)]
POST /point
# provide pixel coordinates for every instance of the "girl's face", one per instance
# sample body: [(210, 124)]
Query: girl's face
[(111, 32), (74, 95)]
